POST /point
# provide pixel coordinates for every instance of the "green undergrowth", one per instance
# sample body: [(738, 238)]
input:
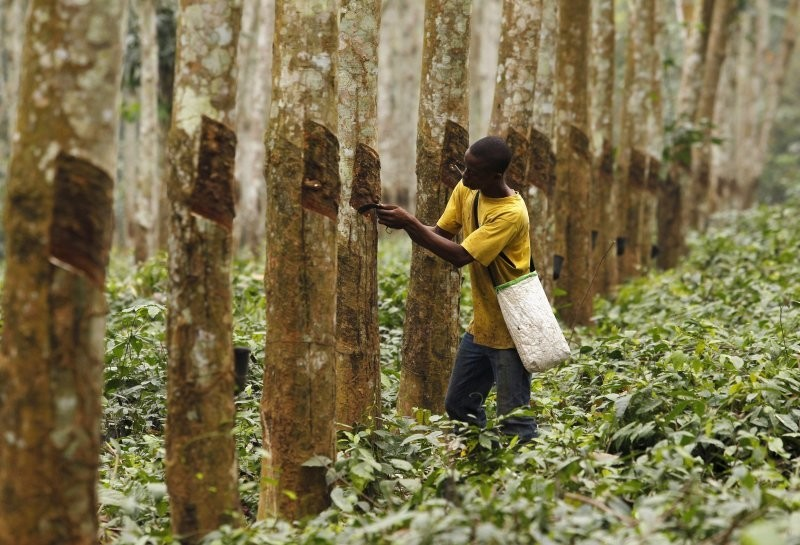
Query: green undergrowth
[(676, 421)]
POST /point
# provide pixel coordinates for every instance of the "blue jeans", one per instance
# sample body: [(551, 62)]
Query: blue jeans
[(476, 370)]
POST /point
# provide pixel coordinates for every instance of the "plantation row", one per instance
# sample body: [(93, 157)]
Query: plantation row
[(676, 421)]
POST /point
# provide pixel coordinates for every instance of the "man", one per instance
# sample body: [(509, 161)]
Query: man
[(499, 240)]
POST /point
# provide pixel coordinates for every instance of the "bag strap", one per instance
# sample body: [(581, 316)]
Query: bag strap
[(477, 225)]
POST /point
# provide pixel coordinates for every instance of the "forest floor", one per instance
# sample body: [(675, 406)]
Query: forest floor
[(676, 421)]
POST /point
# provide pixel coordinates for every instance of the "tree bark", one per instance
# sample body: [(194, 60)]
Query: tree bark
[(701, 153), (573, 162), (202, 474), (485, 31), (400, 46), (252, 105), (672, 243), (634, 134), (302, 174), (606, 190), (358, 370), (431, 324), (58, 227), (543, 153), (147, 187)]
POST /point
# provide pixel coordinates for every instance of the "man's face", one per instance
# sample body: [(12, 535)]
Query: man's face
[(476, 175)]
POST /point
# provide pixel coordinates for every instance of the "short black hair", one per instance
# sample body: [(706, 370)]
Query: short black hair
[(493, 151)]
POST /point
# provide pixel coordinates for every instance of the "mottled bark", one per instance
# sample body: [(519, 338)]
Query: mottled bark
[(573, 161), (673, 243), (12, 32), (252, 104), (701, 153), (775, 79), (634, 133), (147, 186), (543, 230), (58, 229), (655, 53), (485, 31), (358, 372), (431, 324), (722, 160), (512, 113), (400, 46), (302, 175), (605, 189), (202, 474)]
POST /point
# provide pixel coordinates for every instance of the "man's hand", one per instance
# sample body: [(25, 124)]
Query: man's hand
[(393, 216)]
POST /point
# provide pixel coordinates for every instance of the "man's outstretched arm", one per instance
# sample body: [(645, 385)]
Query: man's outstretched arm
[(433, 238)]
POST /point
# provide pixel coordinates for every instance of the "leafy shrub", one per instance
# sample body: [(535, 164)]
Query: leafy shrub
[(676, 421)]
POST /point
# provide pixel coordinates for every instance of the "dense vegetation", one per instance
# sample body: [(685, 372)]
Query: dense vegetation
[(676, 421)]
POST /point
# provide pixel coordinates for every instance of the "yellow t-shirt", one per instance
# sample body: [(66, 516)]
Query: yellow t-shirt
[(503, 228)]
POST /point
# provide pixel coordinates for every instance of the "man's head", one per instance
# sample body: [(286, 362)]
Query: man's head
[(486, 161)]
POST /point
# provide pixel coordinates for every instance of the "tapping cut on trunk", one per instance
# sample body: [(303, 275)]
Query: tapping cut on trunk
[(80, 235), (321, 181), (454, 146), (212, 194)]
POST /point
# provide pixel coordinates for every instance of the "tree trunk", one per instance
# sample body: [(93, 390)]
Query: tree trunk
[(12, 33), (634, 133), (774, 85), (573, 162), (147, 178), (672, 243), (358, 369), (58, 224), (543, 155), (512, 113), (606, 191), (202, 474), (400, 46), (485, 31), (655, 49), (431, 324), (252, 105), (302, 174), (701, 154)]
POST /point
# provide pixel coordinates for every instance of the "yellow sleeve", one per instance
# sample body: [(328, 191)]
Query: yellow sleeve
[(453, 216), (486, 243)]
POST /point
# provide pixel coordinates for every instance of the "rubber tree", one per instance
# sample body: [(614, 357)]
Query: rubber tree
[(58, 226), (302, 174), (431, 324), (358, 369), (201, 468)]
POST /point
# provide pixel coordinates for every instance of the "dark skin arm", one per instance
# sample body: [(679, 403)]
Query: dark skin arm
[(432, 238)]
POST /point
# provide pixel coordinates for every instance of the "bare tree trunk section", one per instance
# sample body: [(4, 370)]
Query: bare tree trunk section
[(147, 186), (701, 154), (431, 324), (542, 149), (12, 33), (655, 50), (634, 133), (302, 174), (485, 31), (252, 105), (58, 226), (573, 160), (512, 112), (605, 189), (400, 46), (745, 116), (358, 371), (673, 242), (722, 159), (201, 468), (775, 79)]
